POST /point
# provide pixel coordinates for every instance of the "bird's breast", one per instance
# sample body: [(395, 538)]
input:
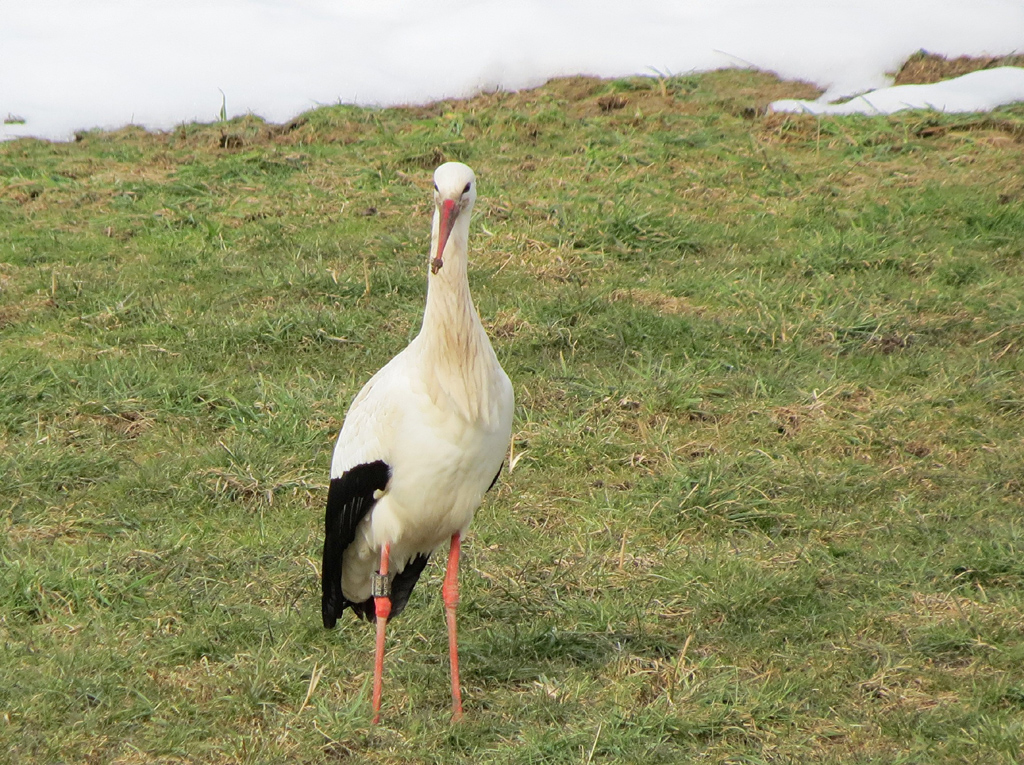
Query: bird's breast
[(441, 467)]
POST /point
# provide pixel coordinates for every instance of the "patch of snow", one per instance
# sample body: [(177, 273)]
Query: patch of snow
[(67, 65), (979, 91)]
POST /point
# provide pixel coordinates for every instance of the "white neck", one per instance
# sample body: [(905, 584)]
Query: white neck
[(448, 290), (458, 357)]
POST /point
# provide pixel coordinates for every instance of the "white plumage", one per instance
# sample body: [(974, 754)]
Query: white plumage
[(424, 439)]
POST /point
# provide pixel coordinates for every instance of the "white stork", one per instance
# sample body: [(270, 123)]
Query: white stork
[(422, 442)]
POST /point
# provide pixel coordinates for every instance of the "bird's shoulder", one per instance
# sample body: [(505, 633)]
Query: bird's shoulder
[(374, 415), (388, 382)]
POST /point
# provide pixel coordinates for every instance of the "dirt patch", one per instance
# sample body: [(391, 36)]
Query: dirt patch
[(783, 127), (507, 324), (572, 89), (924, 68), (899, 687), (130, 424), (656, 301), (22, 192), (611, 102), (7, 271), (924, 609), (789, 420), (9, 315)]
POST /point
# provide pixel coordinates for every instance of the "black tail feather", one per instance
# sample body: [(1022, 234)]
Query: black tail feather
[(402, 584), (496, 476)]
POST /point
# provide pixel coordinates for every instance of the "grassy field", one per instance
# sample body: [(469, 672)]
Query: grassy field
[(769, 483)]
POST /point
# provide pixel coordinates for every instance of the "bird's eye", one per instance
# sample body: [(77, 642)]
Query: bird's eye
[(437, 189), (466, 190)]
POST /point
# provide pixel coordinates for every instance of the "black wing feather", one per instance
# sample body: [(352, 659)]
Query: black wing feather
[(349, 499)]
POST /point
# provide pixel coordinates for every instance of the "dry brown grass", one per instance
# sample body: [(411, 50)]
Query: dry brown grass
[(924, 68)]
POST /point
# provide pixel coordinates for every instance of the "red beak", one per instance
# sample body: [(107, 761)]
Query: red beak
[(449, 212)]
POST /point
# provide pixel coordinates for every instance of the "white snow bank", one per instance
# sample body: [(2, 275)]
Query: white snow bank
[(979, 91), (67, 65)]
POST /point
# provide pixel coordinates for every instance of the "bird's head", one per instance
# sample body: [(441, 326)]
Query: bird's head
[(454, 194)]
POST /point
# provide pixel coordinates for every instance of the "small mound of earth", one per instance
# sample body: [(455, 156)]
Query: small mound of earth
[(924, 68)]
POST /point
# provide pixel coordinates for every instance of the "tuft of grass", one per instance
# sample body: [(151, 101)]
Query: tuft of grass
[(766, 495)]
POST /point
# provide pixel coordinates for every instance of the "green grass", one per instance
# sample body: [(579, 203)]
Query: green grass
[(768, 499)]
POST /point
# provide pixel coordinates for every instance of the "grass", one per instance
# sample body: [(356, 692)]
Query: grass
[(768, 498)]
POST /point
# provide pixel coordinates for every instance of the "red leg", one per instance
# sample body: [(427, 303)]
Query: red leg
[(450, 591), (382, 604)]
